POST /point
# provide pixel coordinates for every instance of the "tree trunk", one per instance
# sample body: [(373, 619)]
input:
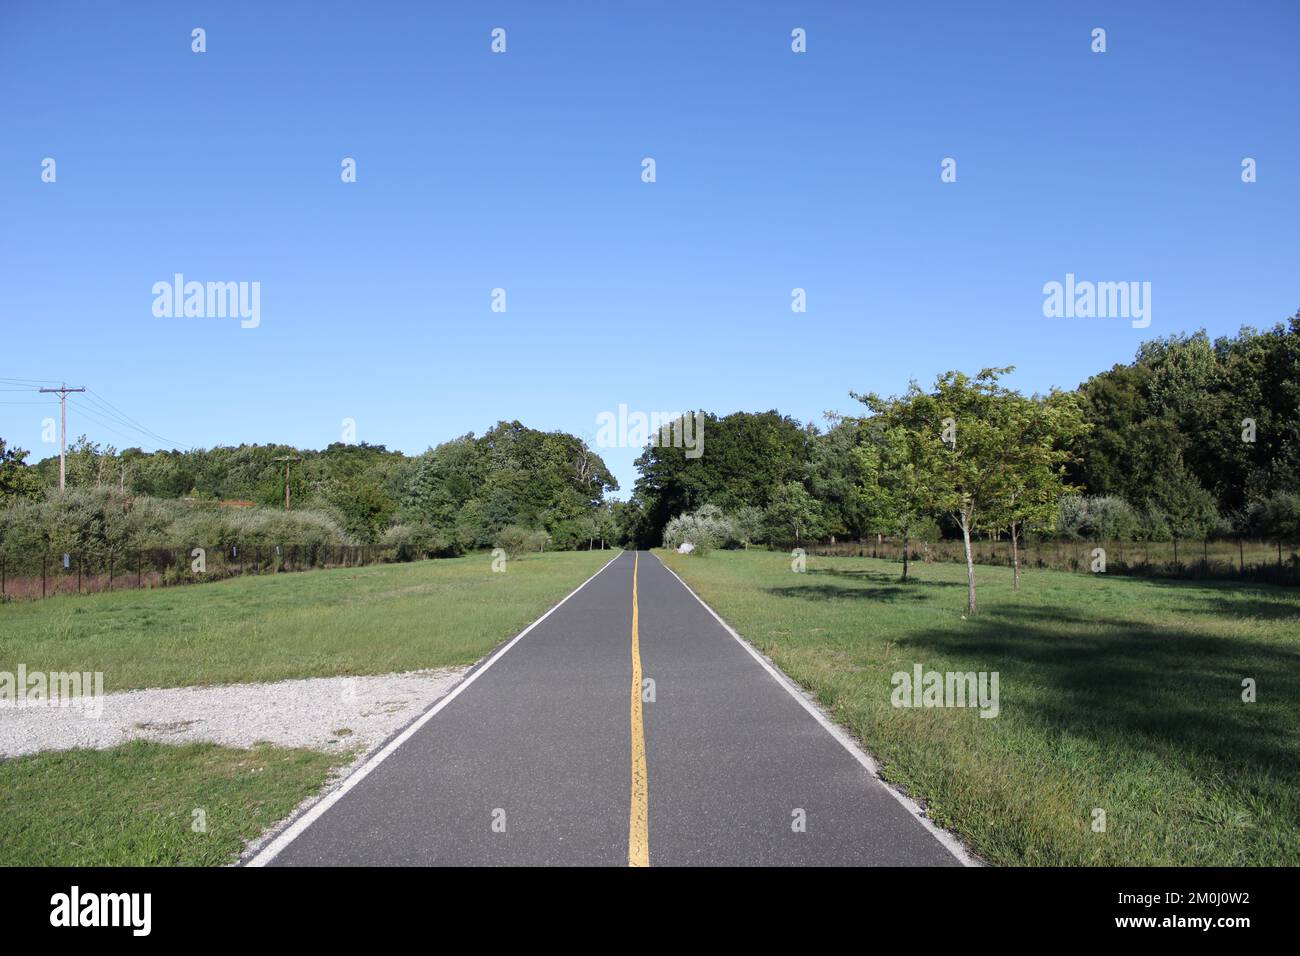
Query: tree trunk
[(905, 550), (970, 566), (1015, 559)]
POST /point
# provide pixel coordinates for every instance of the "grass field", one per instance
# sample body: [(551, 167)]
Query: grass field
[(1116, 693), (345, 621), (135, 805)]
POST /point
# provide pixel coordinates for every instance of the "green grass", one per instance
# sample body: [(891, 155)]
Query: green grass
[(134, 805), (346, 621), (1116, 693)]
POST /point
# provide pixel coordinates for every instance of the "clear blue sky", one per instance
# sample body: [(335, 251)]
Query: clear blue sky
[(522, 171)]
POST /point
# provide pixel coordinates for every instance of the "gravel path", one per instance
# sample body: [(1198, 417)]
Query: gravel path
[(325, 713)]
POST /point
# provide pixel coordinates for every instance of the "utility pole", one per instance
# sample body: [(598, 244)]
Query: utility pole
[(63, 391), (286, 459)]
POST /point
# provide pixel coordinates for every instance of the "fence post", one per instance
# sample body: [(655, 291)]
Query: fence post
[(139, 568), (44, 560), (110, 570), (80, 561)]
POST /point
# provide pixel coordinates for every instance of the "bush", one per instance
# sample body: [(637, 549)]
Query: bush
[(100, 523), (412, 542), (748, 525), (1099, 518), (515, 540), (706, 529), (1276, 517)]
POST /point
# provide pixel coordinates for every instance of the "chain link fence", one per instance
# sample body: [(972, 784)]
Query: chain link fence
[(1229, 558), (35, 576)]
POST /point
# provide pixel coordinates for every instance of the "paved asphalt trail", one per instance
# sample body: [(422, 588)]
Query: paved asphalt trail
[(543, 745)]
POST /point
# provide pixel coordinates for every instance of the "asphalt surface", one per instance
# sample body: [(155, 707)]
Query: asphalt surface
[(532, 763)]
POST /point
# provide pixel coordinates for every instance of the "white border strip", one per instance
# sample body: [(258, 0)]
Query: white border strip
[(949, 842), (299, 826)]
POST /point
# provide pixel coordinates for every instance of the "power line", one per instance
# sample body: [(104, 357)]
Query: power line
[(123, 420), (128, 420), (90, 413), (103, 412)]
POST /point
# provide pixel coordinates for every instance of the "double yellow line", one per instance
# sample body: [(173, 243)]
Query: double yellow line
[(638, 826)]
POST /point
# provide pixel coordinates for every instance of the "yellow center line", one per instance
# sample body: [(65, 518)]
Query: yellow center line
[(638, 827)]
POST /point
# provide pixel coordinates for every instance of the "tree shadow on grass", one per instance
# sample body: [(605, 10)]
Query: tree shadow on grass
[(884, 577), (1132, 687), (828, 592), (1234, 599)]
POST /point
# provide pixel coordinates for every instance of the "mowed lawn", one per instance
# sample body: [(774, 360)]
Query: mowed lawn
[(345, 621), (1117, 694), (149, 804)]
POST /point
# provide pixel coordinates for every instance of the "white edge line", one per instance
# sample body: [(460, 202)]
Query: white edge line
[(949, 842), (299, 826)]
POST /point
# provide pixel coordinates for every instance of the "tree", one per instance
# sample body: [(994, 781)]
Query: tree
[(1187, 510), (792, 511), (746, 456), (747, 523), (89, 463), (1033, 480), (896, 470), (972, 444), (836, 478), (17, 480)]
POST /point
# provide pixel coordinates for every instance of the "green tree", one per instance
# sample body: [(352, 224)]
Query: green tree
[(897, 470), (17, 480), (746, 457), (1033, 469), (837, 480), (792, 512), (973, 445)]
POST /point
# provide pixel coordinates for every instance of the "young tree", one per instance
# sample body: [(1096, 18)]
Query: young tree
[(896, 471), (971, 443), (748, 525), (1033, 480), (793, 511)]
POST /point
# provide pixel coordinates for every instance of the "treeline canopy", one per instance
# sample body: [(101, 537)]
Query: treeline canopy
[(1194, 436), (463, 491)]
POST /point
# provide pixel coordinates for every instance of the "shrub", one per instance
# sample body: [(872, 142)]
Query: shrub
[(706, 529), (1104, 518), (411, 542), (515, 540), (1276, 517), (100, 523)]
